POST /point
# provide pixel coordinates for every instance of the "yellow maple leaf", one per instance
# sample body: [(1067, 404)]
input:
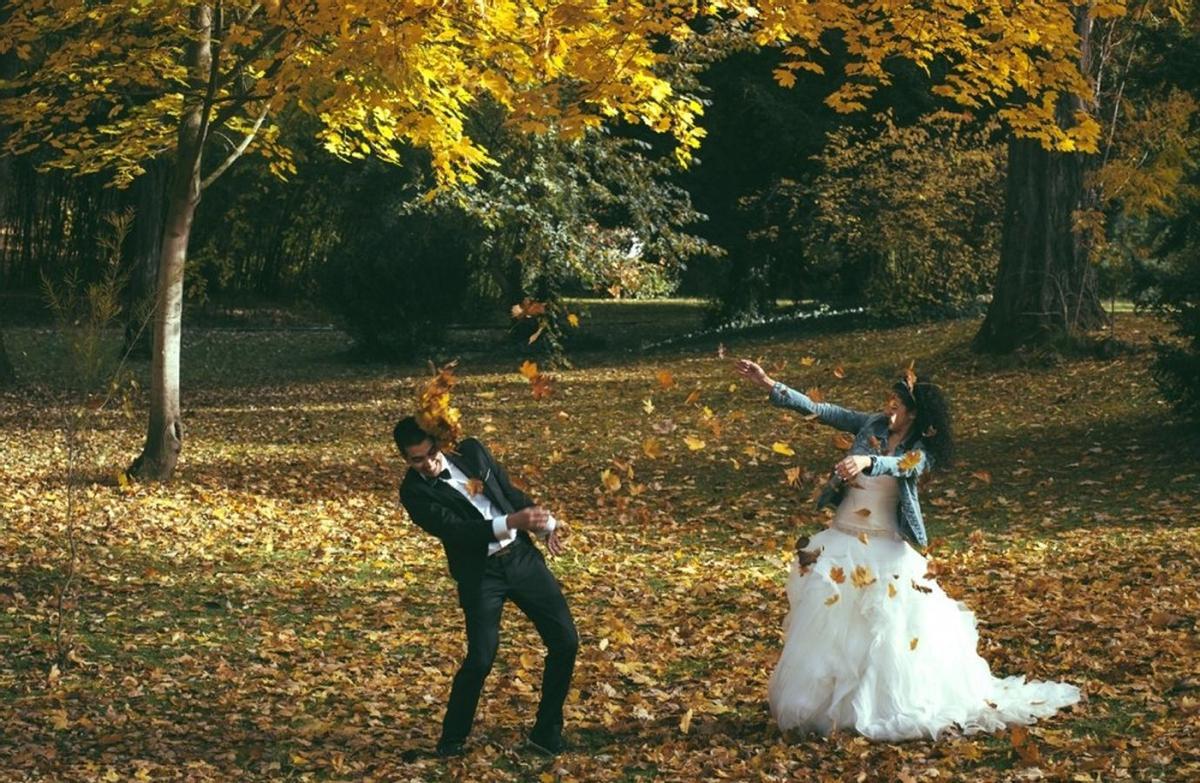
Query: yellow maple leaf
[(648, 405), (910, 460), (610, 480), (529, 370), (573, 320), (862, 577), (693, 443), (780, 447)]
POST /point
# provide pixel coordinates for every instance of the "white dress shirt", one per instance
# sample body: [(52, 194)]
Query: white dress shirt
[(500, 529)]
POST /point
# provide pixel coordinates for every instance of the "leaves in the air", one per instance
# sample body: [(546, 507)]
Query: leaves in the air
[(573, 320), (912, 645), (837, 574), (808, 361), (910, 460), (780, 447), (610, 480), (528, 308), (693, 443), (648, 405), (833, 599), (665, 378), (891, 590), (541, 384), (862, 577), (435, 414)]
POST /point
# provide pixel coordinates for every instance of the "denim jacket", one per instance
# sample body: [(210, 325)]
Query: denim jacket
[(870, 438)]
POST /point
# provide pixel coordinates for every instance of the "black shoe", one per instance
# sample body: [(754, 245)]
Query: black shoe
[(546, 745), (448, 750)]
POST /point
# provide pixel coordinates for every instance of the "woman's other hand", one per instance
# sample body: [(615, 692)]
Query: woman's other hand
[(852, 466)]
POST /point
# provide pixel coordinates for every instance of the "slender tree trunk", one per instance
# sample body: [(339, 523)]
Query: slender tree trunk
[(164, 437), (150, 192), (8, 376), (1046, 285)]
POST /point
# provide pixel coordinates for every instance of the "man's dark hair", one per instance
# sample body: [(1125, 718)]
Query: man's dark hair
[(409, 433)]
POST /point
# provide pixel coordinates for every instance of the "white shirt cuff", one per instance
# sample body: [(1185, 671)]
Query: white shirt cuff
[(500, 527)]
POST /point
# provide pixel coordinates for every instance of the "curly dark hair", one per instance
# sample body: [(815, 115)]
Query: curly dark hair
[(933, 426)]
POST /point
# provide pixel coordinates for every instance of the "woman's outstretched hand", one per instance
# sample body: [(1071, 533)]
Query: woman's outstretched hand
[(750, 370)]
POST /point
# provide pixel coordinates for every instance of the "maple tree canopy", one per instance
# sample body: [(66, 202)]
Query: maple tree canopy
[(104, 84)]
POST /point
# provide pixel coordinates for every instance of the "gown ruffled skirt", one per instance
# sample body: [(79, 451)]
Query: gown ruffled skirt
[(873, 646)]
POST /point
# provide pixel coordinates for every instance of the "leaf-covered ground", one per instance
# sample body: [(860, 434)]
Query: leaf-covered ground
[(272, 615)]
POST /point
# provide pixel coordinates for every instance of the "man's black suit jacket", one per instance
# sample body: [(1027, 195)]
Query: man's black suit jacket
[(443, 511)]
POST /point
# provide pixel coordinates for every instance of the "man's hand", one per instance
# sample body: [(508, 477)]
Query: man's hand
[(751, 371), (531, 520), (554, 543)]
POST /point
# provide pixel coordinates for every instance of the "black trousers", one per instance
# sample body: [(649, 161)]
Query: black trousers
[(521, 575)]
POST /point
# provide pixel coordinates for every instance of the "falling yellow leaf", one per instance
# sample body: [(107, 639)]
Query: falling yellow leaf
[(693, 443), (862, 577), (910, 460), (573, 320), (913, 644), (610, 480), (831, 600), (122, 479), (648, 405), (780, 447), (862, 536), (529, 370), (808, 361), (891, 590)]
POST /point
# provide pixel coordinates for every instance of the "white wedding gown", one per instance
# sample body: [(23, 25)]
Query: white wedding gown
[(873, 646)]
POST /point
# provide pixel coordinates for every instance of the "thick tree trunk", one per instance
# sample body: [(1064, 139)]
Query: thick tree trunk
[(1046, 285), (150, 195), (8, 376), (164, 437)]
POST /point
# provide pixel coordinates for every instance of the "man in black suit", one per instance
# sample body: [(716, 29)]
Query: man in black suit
[(467, 500)]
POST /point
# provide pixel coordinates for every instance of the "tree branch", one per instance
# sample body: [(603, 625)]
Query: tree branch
[(237, 151)]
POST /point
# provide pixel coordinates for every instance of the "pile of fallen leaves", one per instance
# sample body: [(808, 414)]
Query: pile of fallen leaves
[(271, 614)]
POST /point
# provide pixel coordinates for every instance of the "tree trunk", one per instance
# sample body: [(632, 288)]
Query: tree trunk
[(164, 437), (150, 192), (1046, 285), (8, 376)]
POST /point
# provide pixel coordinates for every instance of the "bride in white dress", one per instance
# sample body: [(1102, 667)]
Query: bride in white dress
[(871, 643)]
